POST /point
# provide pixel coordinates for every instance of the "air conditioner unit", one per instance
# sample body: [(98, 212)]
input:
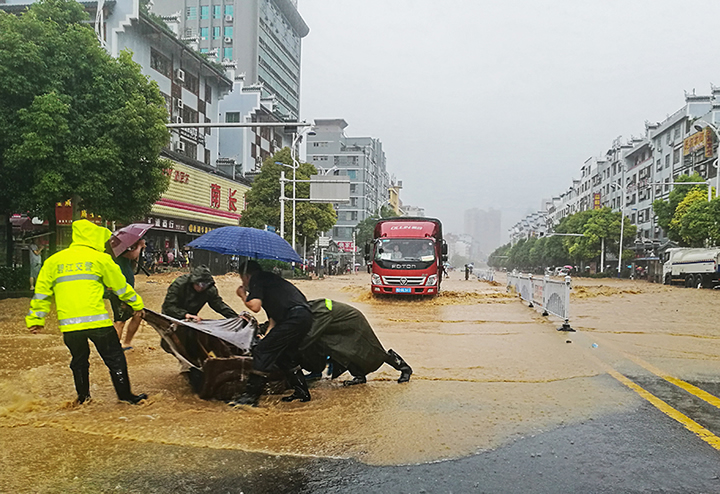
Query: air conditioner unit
[(228, 18), (228, 39), (179, 104), (180, 147), (180, 75), (178, 120)]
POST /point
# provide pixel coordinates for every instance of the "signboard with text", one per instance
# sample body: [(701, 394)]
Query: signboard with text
[(200, 196), (699, 140)]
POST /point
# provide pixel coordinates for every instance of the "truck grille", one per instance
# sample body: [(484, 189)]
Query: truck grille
[(404, 280)]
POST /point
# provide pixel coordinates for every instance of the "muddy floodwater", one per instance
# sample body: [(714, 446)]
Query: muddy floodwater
[(487, 370)]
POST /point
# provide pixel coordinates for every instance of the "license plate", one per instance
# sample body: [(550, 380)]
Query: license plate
[(403, 290)]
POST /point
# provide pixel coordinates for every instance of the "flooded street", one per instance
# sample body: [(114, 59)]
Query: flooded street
[(488, 371)]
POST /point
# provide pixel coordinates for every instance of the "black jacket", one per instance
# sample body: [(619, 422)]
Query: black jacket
[(182, 298)]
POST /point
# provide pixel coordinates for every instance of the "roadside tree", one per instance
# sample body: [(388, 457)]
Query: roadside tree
[(75, 123), (665, 210)]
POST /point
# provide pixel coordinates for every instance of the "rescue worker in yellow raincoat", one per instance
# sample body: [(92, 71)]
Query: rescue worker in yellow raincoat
[(77, 277)]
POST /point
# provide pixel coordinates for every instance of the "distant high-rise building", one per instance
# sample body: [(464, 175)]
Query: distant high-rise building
[(260, 37), (362, 159), (484, 227)]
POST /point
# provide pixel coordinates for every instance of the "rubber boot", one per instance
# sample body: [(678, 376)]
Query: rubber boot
[(296, 379), (397, 362), (122, 387), (82, 384), (355, 380), (253, 390)]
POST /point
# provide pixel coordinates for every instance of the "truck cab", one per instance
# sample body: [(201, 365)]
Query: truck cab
[(406, 256)]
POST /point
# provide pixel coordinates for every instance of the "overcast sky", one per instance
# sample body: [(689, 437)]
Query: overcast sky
[(497, 104)]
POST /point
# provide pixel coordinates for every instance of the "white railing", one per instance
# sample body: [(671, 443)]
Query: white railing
[(550, 295), (485, 274)]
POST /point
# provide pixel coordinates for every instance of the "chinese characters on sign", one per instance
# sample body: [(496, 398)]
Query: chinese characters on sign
[(199, 228), (177, 175), (346, 246), (699, 140), (215, 196), (232, 200), (596, 200)]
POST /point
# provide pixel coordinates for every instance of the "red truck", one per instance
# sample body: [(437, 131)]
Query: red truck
[(407, 256)]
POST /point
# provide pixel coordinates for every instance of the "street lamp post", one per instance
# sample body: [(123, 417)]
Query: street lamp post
[(622, 222), (293, 153)]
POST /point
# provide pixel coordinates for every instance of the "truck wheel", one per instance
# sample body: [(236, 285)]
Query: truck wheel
[(704, 280), (668, 279), (689, 280), (698, 282)]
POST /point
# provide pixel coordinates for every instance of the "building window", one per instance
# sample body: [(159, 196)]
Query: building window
[(161, 63), (204, 12), (192, 83), (353, 188), (191, 13), (208, 130), (208, 93), (677, 132), (232, 117), (352, 174), (227, 53), (227, 31), (676, 156), (216, 32), (217, 12), (203, 50), (667, 161), (204, 32), (229, 9)]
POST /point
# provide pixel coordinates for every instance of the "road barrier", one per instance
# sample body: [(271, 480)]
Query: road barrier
[(485, 274), (550, 295)]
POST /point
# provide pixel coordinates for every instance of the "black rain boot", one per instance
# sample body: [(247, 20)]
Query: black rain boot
[(397, 362), (82, 384), (296, 379), (122, 387), (355, 380), (253, 389)]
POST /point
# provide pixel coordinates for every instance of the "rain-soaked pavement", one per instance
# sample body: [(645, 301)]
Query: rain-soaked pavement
[(499, 402)]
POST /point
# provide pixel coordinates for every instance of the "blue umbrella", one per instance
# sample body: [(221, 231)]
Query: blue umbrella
[(248, 242)]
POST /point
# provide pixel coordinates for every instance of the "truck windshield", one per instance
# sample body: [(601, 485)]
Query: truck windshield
[(405, 250)]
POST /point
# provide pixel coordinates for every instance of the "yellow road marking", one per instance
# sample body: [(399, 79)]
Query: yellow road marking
[(686, 421), (693, 390)]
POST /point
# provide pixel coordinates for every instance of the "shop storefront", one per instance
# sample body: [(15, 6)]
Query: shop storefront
[(195, 203)]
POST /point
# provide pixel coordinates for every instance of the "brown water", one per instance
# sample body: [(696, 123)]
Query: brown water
[(486, 369)]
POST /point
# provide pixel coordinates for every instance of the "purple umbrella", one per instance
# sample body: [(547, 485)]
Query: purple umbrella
[(126, 237)]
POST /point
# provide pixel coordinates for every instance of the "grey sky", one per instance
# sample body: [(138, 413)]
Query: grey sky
[(497, 104)]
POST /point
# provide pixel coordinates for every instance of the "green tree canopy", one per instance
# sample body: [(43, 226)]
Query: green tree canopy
[(264, 201), (665, 210), (556, 250), (74, 121)]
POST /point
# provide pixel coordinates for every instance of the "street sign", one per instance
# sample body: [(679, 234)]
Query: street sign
[(329, 188), (324, 241)]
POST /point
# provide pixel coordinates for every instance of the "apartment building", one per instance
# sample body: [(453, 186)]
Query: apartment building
[(362, 159)]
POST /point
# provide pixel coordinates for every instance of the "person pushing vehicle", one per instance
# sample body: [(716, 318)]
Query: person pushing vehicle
[(77, 277)]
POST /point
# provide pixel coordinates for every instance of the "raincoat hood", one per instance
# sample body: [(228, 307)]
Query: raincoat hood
[(90, 235), (201, 274)]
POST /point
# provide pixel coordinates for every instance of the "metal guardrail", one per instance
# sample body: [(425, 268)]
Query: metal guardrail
[(551, 295), (485, 274)]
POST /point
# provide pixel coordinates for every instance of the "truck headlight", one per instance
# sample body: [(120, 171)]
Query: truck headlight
[(375, 278), (432, 280)]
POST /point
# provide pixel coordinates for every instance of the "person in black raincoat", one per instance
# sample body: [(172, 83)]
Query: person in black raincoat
[(341, 332), (185, 297)]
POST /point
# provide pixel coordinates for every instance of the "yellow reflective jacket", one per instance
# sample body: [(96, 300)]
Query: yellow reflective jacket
[(77, 277)]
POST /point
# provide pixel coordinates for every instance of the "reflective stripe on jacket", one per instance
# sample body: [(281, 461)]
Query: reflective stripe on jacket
[(77, 277)]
